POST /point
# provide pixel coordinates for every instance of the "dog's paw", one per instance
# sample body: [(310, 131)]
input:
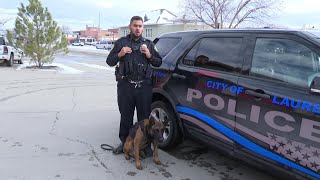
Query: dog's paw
[(139, 166), (157, 162), (127, 157)]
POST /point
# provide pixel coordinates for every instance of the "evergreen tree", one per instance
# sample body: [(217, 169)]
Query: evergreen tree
[(37, 34)]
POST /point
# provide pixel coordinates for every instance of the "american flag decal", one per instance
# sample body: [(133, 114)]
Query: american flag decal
[(307, 156)]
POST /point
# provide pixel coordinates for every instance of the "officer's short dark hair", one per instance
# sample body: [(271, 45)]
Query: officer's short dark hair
[(136, 18)]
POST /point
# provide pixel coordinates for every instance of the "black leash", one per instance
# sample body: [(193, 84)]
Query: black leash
[(107, 147)]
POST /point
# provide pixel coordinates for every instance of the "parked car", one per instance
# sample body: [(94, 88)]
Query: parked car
[(254, 94), (9, 54), (93, 43), (77, 43), (108, 45)]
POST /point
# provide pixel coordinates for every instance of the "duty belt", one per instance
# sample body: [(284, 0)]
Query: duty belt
[(137, 83)]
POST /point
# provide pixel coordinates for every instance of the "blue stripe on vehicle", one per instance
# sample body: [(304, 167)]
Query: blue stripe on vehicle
[(243, 141)]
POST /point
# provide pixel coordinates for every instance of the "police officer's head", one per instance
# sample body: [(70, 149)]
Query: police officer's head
[(136, 26)]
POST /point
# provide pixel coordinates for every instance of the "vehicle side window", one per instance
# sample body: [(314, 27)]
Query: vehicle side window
[(165, 45), (190, 57), (222, 54), (285, 60)]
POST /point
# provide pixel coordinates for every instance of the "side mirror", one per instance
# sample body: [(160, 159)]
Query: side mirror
[(315, 86)]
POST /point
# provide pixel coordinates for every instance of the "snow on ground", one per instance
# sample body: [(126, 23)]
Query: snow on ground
[(88, 49), (62, 68), (67, 69), (96, 66), (25, 65)]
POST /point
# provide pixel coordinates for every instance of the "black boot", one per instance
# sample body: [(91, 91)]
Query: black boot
[(118, 150)]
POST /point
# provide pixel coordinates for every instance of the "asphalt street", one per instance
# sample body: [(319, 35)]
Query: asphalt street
[(52, 124)]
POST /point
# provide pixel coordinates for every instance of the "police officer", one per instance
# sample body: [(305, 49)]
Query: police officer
[(134, 54)]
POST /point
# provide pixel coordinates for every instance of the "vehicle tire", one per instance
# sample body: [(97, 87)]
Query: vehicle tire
[(172, 134), (10, 62), (21, 61)]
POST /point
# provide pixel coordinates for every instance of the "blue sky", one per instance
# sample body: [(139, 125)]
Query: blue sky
[(78, 13)]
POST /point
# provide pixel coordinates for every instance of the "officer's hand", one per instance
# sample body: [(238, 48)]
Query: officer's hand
[(124, 51), (145, 50)]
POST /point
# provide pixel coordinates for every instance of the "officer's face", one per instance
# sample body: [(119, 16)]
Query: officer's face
[(136, 27)]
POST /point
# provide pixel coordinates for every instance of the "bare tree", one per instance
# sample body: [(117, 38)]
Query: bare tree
[(65, 29), (230, 13), (3, 21)]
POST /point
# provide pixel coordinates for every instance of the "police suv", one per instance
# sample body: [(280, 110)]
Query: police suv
[(254, 93)]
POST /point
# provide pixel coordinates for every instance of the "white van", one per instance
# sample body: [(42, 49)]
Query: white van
[(88, 41), (108, 45)]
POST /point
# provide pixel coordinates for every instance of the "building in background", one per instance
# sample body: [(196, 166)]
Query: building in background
[(72, 37), (99, 34), (113, 34), (161, 21)]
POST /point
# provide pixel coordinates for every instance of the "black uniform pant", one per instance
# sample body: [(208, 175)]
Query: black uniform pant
[(129, 99)]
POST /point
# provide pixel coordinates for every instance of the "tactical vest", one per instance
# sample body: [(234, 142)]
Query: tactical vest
[(135, 65)]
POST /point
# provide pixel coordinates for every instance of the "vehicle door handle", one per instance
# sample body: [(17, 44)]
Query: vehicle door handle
[(175, 75), (257, 94)]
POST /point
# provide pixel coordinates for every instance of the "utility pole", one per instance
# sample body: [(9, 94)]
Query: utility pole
[(99, 28), (113, 33)]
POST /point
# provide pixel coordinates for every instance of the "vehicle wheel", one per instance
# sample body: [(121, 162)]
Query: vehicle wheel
[(171, 135), (9, 63), (21, 61)]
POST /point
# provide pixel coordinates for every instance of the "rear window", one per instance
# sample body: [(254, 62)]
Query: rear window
[(2, 41), (165, 45), (285, 60)]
